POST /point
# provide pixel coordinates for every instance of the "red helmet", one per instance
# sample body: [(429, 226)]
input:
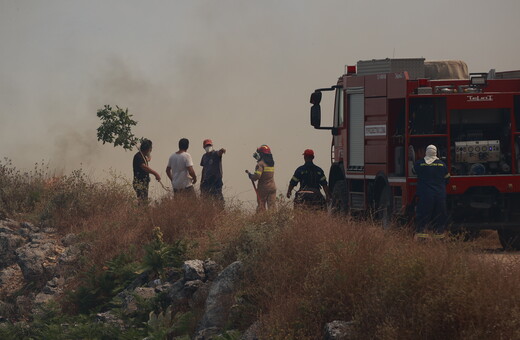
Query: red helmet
[(308, 152), (207, 142), (264, 149)]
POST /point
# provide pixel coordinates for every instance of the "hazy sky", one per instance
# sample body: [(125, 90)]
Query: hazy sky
[(239, 72)]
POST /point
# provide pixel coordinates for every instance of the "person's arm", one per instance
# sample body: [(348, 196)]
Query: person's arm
[(202, 165), (150, 171), (294, 182), (289, 191), (258, 172), (169, 172), (188, 162), (192, 174), (221, 152), (446, 175)]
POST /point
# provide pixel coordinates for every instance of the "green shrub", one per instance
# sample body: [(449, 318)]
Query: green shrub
[(99, 287), (160, 256), (51, 324)]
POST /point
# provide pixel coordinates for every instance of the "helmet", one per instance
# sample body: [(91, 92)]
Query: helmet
[(207, 142), (261, 150), (264, 149), (308, 152)]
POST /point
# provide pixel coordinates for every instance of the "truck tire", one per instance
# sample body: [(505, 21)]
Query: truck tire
[(339, 201), (383, 213), (509, 239)]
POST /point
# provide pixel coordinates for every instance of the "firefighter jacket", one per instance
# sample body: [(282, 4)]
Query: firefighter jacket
[(431, 178), (265, 176), (310, 176)]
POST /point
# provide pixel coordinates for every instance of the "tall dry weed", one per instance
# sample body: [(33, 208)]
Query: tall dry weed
[(319, 269), (302, 269)]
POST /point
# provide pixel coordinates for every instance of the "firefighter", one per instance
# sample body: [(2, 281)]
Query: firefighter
[(264, 174), (211, 162), (432, 177), (311, 178)]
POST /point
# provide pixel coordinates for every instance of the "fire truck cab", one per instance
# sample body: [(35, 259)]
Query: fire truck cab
[(388, 111)]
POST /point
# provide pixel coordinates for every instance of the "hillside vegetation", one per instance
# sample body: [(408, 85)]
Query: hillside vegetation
[(302, 269)]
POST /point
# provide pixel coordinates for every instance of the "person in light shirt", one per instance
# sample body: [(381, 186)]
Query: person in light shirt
[(180, 170)]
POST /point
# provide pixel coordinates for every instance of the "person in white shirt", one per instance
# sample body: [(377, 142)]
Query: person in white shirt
[(180, 170)]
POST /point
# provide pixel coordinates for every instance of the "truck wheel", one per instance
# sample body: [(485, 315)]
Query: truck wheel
[(509, 239), (339, 201), (383, 212)]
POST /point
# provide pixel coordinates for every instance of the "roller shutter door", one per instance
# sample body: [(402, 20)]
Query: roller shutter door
[(356, 136)]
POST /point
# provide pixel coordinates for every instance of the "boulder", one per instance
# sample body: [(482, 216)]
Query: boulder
[(9, 242), (71, 254), (11, 280), (192, 286), (29, 226), (54, 286), (24, 304), (42, 298), (70, 239), (130, 300), (8, 226), (199, 297), (111, 319), (211, 269), (33, 260), (194, 270), (207, 333), (252, 333), (163, 287), (221, 297), (339, 330)]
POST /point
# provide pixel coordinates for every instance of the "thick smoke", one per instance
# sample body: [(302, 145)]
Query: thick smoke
[(237, 72)]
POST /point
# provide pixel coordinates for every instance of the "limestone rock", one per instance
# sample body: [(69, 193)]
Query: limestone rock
[(11, 280), (130, 300), (252, 333), (338, 330), (33, 259), (207, 333), (194, 270), (200, 295), (221, 297), (70, 239), (211, 268), (111, 319), (9, 242)]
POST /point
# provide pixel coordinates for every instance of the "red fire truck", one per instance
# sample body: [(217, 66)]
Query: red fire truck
[(387, 111)]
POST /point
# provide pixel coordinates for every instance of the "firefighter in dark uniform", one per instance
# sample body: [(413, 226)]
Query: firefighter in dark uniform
[(311, 178), (432, 177)]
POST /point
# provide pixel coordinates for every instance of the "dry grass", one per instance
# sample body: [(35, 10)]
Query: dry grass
[(302, 269), (320, 269)]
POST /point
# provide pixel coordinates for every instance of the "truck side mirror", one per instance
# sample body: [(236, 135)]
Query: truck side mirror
[(316, 115), (316, 98)]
